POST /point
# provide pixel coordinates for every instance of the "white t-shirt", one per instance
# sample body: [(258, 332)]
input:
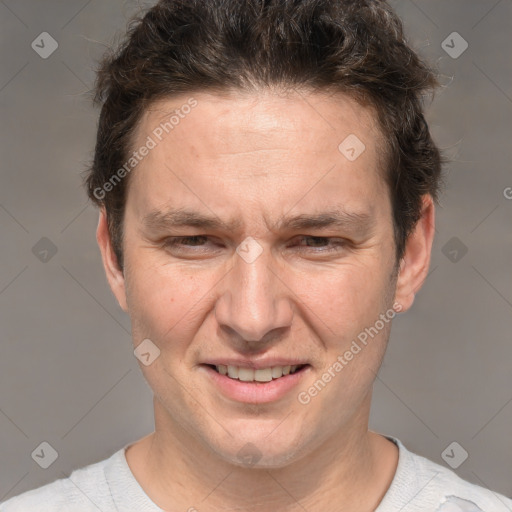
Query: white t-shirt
[(419, 485)]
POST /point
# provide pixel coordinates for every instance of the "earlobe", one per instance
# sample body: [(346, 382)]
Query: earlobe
[(415, 262), (113, 272)]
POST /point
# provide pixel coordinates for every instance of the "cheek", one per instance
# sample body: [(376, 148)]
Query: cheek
[(347, 307), (165, 302), (345, 300)]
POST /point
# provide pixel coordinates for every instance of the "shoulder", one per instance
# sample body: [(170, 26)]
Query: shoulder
[(86, 489), (456, 494), (427, 486)]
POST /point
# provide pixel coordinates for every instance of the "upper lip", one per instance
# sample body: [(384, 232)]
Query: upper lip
[(254, 364)]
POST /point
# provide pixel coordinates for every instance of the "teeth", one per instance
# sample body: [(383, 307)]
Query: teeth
[(233, 372), (263, 375), (251, 375), (277, 371), (246, 374)]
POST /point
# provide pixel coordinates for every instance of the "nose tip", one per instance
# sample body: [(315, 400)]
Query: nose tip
[(253, 303), (255, 322), (249, 337)]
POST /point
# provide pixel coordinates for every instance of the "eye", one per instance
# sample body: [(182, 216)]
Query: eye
[(185, 242), (324, 244), (190, 245)]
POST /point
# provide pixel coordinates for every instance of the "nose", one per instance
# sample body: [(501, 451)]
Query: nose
[(254, 301)]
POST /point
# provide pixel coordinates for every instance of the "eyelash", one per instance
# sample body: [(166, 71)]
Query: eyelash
[(339, 243), (174, 242)]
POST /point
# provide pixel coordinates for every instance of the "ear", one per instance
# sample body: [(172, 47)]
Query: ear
[(114, 274), (415, 262)]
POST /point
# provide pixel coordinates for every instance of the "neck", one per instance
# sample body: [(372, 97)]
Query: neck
[(349, 472)]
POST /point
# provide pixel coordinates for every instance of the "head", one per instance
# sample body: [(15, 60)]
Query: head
[(284, 123)]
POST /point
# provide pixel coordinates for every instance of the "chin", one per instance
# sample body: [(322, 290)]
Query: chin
[(264, 451), (252, 456)]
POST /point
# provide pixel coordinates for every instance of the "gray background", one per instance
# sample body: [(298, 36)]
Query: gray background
[(67, 371)]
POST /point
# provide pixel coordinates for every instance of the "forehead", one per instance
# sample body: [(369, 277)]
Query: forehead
[(257, 120), (254, 149)]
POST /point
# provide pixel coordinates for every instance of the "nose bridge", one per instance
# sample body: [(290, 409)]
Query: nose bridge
[(254, 291), (253, 302)]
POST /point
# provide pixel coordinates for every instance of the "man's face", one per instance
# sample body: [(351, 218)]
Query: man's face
[(294, 293)]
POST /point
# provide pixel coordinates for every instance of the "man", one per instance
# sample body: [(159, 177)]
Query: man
[(266, 183)]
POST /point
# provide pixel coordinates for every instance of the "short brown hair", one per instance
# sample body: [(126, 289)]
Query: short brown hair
[(352, 46)]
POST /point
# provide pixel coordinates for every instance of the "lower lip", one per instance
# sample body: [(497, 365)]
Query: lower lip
[(255, 392)]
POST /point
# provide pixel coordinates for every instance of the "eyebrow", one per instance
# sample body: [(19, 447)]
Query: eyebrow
[(181, 217), (360, 221)]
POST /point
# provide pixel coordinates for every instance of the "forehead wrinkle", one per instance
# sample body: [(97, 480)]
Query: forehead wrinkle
[(357, 222), (337, 218), (159, 220)]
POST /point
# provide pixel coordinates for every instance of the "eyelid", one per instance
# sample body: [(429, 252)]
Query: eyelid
[(174, 240), (336, 242), (321, 237)]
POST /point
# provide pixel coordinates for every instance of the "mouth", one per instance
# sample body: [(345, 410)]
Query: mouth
[(257, 375), (254, 383)]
